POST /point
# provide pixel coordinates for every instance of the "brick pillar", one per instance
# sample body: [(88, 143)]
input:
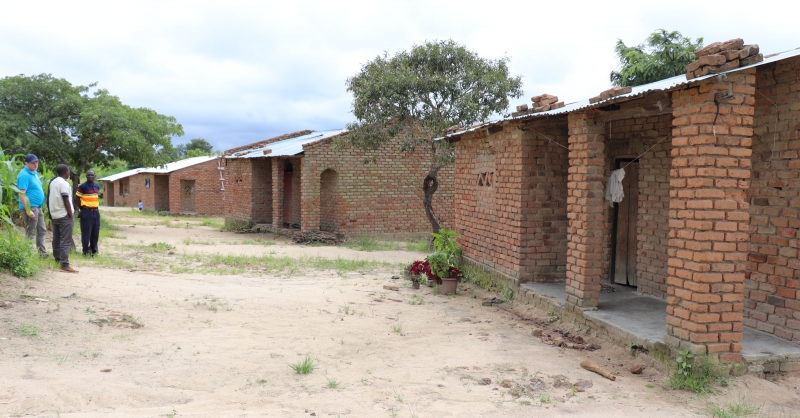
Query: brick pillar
[(585, 191), (277, 193), (709, 215)]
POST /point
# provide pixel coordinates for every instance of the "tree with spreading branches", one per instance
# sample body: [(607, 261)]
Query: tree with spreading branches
[(662, 55), (63, 123), (416, 95)]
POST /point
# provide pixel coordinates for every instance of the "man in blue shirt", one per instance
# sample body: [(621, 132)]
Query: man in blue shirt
[(31, 199)]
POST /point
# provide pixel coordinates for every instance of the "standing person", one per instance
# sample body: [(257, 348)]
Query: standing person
[(60, 205), (89, 214), (140, 205), (31, 199)]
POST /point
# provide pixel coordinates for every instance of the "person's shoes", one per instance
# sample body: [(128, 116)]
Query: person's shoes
[(68, 270)]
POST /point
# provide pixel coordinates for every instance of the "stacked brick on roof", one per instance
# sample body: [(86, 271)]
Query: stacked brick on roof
[(719, 57)]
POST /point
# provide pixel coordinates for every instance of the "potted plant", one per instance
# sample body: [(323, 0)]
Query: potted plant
[(440, 266), (419, 272)]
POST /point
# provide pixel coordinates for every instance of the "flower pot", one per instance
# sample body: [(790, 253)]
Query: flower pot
[(415, 285), (448, 286)]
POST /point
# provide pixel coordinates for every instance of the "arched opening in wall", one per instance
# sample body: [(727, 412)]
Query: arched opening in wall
[(287, 192), (329, 201)]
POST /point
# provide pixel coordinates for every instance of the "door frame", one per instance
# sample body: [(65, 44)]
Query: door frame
[(618, 163)]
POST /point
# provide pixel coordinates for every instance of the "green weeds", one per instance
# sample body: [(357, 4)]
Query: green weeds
[(305, 366), (732, 410), (28, 330), (692, 374)]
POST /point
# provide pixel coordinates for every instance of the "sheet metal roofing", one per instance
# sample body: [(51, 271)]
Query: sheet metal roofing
[(166, 168), (661, 85), (291, 146)]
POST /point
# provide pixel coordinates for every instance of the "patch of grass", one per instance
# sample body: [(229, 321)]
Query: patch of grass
[(397, 328), (102, 261), (28, 330), (258, 241), (132, 320), (305, 366), (545, 399), (416, 300), (189, 241), (236, 264), (732, 410), (420, 245), (332, 384), (693, 374), (370, 244), (477, 277), (106, 224), (507, 293), (216, 223)]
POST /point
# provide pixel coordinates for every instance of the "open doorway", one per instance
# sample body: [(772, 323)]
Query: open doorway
[(287, 192), (624, 230), (328, 201), (187, 195)]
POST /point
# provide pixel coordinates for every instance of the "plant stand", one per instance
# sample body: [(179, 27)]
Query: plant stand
[(448, 286)]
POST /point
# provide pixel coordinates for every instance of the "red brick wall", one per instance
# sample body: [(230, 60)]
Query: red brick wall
[(772, 292), (135, 190), (248, 190), (208, 196), (629, 138), (709, 215), (511, 192), (381, 199)]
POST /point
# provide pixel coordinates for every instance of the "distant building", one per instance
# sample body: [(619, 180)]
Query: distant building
[(302, 181), (191, 186)]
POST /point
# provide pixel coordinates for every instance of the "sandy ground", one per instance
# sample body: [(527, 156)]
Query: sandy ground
[(221, 346)]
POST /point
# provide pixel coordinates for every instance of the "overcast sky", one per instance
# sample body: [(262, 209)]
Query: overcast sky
[(234, 72)]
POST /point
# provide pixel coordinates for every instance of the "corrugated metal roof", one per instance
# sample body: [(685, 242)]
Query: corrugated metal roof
[(291, 146), (166, 168), (661, 85)]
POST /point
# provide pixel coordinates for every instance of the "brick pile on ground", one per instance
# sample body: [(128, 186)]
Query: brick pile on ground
[(541, 103), (612, 92), (719, 57)]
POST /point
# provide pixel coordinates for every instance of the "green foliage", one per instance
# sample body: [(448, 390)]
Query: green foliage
[(16, 253), (63, 123), (732, 410), (417, 94), (662, 55), (692, 374), (445, 241), (197, 147), (305, 366)]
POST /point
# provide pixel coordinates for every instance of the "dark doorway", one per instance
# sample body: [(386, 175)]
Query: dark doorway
[(328, 201), (187, 195), (161, 184), (625, 235), (287, 193)]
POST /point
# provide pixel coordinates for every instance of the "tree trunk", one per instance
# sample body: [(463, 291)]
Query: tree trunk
[(429, 186)]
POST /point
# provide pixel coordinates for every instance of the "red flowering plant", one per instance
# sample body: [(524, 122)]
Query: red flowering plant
[(442, 262)]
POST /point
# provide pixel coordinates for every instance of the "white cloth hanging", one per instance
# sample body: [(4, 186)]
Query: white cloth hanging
[(614, 192)]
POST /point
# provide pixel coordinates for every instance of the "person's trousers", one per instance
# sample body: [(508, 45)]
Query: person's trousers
[(35, 229), (62, 239), (90, 230)]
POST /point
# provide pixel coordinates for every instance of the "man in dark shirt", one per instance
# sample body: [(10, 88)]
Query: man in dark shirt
[(89, 215)]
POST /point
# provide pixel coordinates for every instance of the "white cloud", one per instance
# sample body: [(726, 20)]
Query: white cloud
[(237, 71)]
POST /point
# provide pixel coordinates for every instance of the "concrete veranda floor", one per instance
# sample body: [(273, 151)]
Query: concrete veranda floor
[(645, 317)]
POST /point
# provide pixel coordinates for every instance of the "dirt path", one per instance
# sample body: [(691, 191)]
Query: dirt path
[(219, 346)]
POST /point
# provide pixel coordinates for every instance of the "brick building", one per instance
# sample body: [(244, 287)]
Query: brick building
[(301, 180), (711, 212), (191, 186)]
